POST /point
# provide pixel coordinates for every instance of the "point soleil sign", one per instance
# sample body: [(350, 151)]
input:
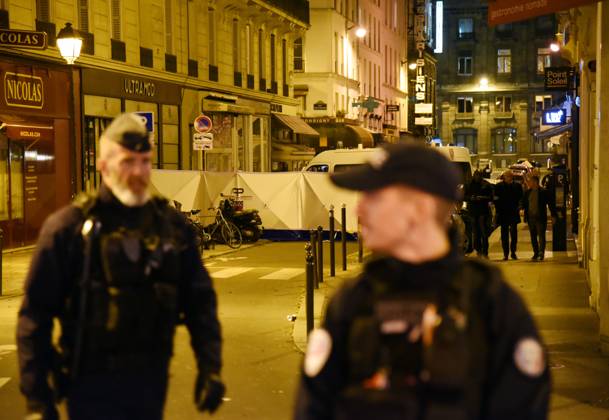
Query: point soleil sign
[(508, 11)]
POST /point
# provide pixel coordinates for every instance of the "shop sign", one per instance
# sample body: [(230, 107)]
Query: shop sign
[(423, 121), (423, 108), (147, 119), (420, 82), (320, 106), (139, 87), (508, 11), (554, 117), (558, 78), (23, 39), (392, 108), (323, 120), (276, 108), (420, 36), (23, 90), (202, 141)]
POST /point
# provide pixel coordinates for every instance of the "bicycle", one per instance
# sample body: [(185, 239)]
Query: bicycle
[(222, 230)]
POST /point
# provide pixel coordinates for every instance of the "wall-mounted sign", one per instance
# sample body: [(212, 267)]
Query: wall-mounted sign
[(139, 87), (23, 90), (276, 108), (423, 121), (23, 39), (202, 141), (554, 117), (508, 11), (202, 124), (420, 27), (558, 78), (147, 119), (423, 108), (320, 106), (392, 108)]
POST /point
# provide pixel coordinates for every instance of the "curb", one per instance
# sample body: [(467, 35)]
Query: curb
[(232, 250)]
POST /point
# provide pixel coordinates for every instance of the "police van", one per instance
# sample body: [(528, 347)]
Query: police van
[(342, 159)]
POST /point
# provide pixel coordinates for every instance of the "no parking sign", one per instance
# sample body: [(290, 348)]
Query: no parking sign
[(203, 124)]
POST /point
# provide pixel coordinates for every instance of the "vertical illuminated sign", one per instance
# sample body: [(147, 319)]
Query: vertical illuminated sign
[(439, 27)]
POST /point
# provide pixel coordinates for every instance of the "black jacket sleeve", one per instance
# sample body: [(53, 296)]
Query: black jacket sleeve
[(45, 289), (512, 393), (200, 309)]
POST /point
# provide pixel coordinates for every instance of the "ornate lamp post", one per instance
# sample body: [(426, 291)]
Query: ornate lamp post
[(69, 43)]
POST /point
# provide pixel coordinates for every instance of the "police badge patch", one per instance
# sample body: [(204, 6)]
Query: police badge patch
[(318, 352), (529, 357)]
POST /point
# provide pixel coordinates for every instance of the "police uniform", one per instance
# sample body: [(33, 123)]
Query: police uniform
[(118, 279), (443, 339)]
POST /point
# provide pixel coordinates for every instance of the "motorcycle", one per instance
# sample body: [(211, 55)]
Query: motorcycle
[(248, 221)]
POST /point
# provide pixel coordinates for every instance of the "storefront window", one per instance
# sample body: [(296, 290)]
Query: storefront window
[(504, 140), (220, 158)]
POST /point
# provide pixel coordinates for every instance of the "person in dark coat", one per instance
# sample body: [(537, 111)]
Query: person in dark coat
[(423, 333), (536, 201), (479, 195), (118, 269), (508, 197)]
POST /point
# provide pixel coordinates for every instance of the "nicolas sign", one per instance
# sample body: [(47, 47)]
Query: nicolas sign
[(23, 90)]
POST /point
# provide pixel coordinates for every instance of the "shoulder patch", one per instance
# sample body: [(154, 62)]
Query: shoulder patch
[(318, 352), (529, 357)]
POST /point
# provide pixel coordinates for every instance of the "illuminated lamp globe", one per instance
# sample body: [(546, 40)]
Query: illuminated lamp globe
[(412, 66), (484, 83), (69, 43), (554, 47), (361, 32)]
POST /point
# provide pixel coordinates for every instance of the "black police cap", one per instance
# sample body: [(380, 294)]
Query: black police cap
[(417, 166), (135, 141)]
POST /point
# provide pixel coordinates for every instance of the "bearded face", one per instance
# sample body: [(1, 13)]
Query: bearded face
[(127, 174)]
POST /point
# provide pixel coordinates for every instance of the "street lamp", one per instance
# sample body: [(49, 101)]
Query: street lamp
[(484, 83), (360, 32), (69, 43), (412, 66)]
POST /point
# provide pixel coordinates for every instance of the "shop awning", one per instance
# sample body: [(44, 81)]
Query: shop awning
[(364, 135), (296, 124), (554, 131)]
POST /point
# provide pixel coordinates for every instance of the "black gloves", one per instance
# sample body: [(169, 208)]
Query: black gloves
[(209, 391)]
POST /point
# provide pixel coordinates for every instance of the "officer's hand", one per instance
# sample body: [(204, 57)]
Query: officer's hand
[(37, 411), (209, 391)]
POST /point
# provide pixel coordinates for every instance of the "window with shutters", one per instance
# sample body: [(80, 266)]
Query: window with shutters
[(273, 59), (236, 47), (249, 50), (115, 7), (261, 57), (168, 27), (83, 15), (43, 10)]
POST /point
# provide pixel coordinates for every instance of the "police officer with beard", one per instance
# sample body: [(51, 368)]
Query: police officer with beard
[(422, 333), (118, 270)]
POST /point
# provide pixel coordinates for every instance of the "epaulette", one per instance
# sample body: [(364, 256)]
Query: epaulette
[(85, 202)]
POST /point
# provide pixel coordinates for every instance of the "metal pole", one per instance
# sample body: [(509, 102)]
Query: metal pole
[(310, 270), (343, 234), (313, 239), (320, 253), (360, 246), (332, 250), (1, 247)]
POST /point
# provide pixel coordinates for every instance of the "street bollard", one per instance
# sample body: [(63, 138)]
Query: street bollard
[(360, 243), (310, 270), (1, 247), (313, 239), (343, 234), (320, 253), (332, 251)]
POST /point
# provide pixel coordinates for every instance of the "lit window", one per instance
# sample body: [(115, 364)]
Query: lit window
[(465, 104), (504, 61), (544, 59), (464, 66), (466, 28), (504, 140), (503, 104)]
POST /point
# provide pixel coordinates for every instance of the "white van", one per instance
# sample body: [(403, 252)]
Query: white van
[(341, 159)]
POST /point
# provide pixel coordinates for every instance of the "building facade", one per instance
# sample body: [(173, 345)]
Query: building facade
[(229, 60), (348, 77), (491, 84)]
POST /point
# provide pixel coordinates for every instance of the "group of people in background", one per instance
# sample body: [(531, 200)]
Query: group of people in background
[(508, 198)]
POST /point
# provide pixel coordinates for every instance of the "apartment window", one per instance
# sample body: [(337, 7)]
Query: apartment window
[(168, 27), (544, 59), (504, 140), (249, 51), (298, 56), (504, 61), (504, 31), (83, 15), (211, 38), (545, 25), (284, 61), (465, 104), (543, 102), (273, 59), (236, 47), (261, 54), (466, 137), (43, 13), (335, 52), (115, 11), (503, 104), (466, 28), (540, 145), (464, 66)]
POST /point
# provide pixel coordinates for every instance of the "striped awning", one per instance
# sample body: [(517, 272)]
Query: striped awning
[(296, 124)]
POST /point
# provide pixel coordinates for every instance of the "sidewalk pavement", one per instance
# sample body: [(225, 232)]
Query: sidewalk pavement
[(16, 262), (556, 291)]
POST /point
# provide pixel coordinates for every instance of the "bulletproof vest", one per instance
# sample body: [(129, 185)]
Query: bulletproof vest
[(132, 304), (411, 352)]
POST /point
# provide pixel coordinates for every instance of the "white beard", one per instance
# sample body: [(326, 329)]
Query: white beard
[(128, 197)]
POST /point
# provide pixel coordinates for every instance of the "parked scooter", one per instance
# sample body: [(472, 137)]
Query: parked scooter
[(248, 221)]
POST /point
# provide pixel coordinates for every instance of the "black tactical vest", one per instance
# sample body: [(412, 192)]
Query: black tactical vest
[(418, 354), (132, 302)]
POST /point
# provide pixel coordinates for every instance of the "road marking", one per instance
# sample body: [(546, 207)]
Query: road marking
[(4, 381), (283, 274), (7, 348), (226, 259), (230, 272)]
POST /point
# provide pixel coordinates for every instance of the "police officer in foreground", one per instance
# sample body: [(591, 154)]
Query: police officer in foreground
[(118, 269), (423, 333)]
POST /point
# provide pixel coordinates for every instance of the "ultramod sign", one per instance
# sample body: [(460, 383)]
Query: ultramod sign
[(558, 78)]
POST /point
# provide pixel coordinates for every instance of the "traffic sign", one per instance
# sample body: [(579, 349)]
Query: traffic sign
[(202, 141), (147, 119), (203, 124)]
